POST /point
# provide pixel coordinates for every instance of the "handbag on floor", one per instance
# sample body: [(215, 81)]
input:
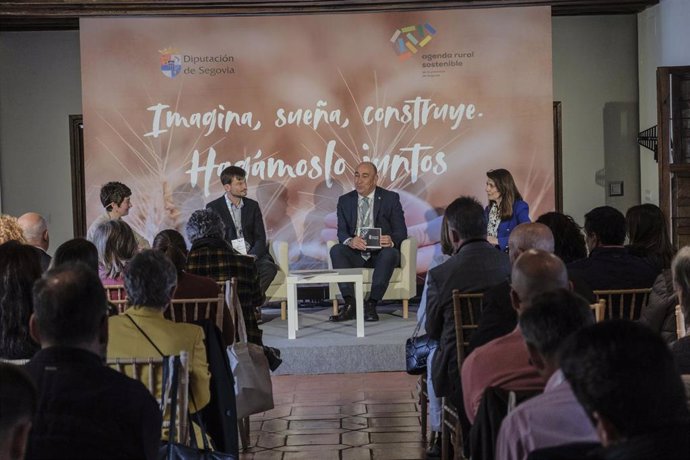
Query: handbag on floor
[(417, 350), (253, 386)]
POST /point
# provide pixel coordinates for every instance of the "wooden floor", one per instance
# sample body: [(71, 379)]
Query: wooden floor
[(339, 416)]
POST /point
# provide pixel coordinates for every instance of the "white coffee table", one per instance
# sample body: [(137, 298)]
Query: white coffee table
[(304, 277)]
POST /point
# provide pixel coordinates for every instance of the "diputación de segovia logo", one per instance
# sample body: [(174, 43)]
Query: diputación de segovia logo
[(171, 62), (407, 40)]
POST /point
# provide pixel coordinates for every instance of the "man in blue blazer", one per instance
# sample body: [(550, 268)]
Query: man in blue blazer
[(242, 218), (368, 206)]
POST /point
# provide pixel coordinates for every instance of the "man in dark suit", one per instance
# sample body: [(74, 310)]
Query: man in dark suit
[(244, 224), (85, 409), (35, 229), (368, 206), (475, 266), (610, 265)]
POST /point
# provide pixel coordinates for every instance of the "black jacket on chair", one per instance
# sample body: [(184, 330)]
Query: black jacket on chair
[(476, 266), (220, 415)]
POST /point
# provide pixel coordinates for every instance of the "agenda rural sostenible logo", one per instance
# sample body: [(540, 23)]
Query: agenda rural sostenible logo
[(409, 39)]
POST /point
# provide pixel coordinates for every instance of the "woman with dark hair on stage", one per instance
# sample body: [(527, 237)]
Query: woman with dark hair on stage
[(506, 209)]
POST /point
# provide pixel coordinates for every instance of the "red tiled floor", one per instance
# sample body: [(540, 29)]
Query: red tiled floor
[(364, 417)]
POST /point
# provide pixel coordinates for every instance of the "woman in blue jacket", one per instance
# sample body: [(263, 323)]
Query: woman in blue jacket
[(506, 209)]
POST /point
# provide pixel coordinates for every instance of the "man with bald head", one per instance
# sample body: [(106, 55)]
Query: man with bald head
[(504, 362), (364, 207), (498, 315), (35, 229)]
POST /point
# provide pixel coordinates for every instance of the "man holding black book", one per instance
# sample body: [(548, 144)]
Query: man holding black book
[(366, 214)]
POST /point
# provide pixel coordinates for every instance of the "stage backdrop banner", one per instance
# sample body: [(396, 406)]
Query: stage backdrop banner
[(434, 98)]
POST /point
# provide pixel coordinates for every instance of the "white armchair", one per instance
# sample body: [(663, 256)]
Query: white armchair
[(277, 291), (402, 285)]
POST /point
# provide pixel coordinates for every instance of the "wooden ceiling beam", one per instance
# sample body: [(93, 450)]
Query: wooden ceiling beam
[(64, 14)]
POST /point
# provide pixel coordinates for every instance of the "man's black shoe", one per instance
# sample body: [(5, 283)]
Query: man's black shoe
[(273, 357), (434, 449), (370, 311), (345, 313)]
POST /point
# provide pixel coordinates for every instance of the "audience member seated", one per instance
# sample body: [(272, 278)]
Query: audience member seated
[(116, 245), (681, 280), (434, 404), (554, 417), (649, 239), (19, 268), (504, 362), (474, 266), (189, 286), (77, 250), (10, 229), (86, 409), (648, 235), (569, 242), (143, 332), (498, 315), (211, 256), (116, 201), (623, 375), (18, 402), (35, 230), (610, 265)]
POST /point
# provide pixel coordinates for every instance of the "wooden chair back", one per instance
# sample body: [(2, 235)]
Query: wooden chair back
[(686, 384), (188, 310), (150, 372), (598, 309), (681, 330), (623, 303), (467, 308), (221, 285), (16, 362), (116, 295)]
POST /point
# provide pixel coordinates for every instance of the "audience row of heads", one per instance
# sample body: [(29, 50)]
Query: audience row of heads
[(116, 244), (150, 278), (644, 225), (622, 372)]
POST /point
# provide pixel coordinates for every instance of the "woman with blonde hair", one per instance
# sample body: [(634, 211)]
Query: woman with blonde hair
[(506, 209), (10, 229)]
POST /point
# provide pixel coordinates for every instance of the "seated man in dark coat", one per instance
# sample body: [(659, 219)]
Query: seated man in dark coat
[(609, 265), (86, 410), (474, 266)]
